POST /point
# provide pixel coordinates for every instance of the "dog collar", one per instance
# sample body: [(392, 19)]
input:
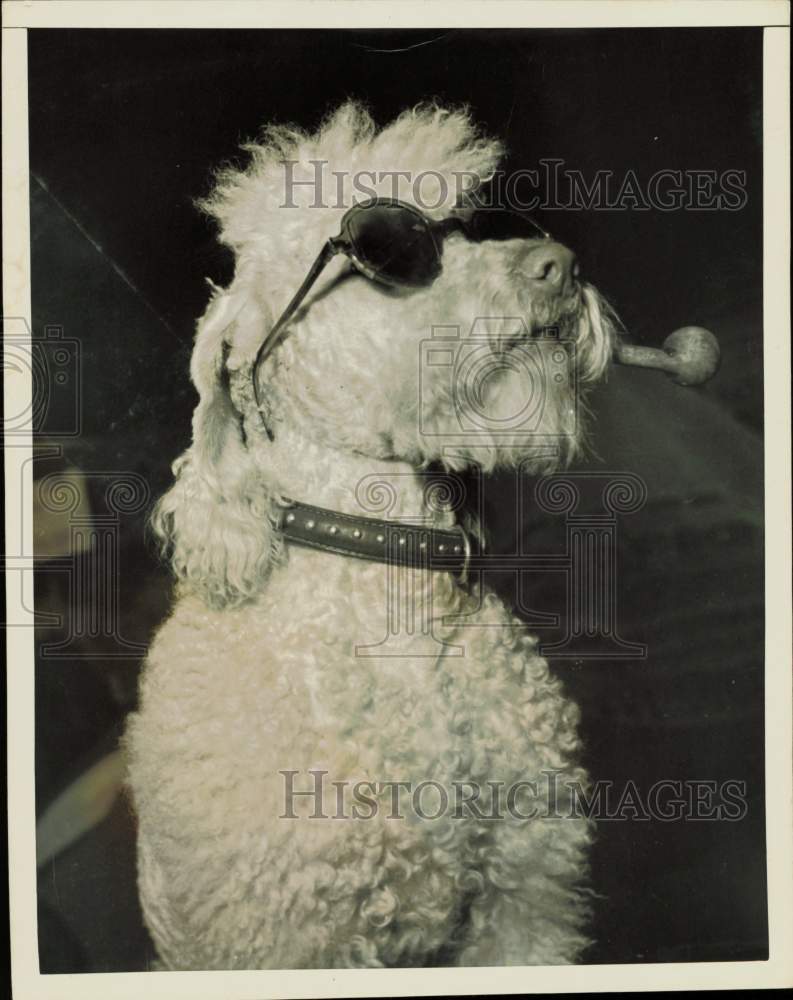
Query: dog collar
[(378, 541)]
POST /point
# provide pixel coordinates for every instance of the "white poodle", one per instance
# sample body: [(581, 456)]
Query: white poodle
[(291, 666)]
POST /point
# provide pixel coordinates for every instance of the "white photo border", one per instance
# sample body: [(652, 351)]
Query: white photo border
[(778, 970)]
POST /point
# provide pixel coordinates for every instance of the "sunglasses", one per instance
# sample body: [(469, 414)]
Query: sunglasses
[(395, 244)]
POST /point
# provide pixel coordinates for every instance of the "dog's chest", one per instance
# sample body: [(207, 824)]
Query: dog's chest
[(320, 675), (335, 651)]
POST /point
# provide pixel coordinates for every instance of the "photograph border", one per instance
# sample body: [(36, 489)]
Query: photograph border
[(778, 970)]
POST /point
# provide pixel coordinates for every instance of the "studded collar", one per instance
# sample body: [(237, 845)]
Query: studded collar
[(369, 538)]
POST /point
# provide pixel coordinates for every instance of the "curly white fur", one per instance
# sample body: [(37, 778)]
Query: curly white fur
[(262, 668)]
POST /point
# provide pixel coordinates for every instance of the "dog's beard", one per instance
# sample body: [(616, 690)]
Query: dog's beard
[(521, 402)]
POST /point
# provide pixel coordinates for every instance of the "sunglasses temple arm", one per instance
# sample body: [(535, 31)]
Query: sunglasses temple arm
[(331, 248)]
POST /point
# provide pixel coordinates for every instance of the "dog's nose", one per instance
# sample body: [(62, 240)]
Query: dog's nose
[(553, 264)]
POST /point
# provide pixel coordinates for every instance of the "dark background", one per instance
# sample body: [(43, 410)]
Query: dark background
[(125, 130)]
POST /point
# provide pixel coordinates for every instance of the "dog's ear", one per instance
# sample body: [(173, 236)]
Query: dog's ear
[(217, 523)]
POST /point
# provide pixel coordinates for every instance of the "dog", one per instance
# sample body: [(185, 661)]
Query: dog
[(281, 679)]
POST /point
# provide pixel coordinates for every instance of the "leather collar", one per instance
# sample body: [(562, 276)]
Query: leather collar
[(379, 541)]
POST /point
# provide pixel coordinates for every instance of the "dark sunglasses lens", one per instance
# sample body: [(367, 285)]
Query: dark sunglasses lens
[(395, 243), (501, 225)]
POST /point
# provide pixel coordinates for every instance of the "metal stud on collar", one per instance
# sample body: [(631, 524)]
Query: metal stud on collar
[(463, 578)]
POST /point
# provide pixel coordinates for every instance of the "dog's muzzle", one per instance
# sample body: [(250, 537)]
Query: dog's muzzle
[(550, 268)]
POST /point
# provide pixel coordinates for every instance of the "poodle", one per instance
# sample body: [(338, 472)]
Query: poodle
[(320, 728)]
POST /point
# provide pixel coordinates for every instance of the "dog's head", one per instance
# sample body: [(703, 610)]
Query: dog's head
[(486, 364)]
